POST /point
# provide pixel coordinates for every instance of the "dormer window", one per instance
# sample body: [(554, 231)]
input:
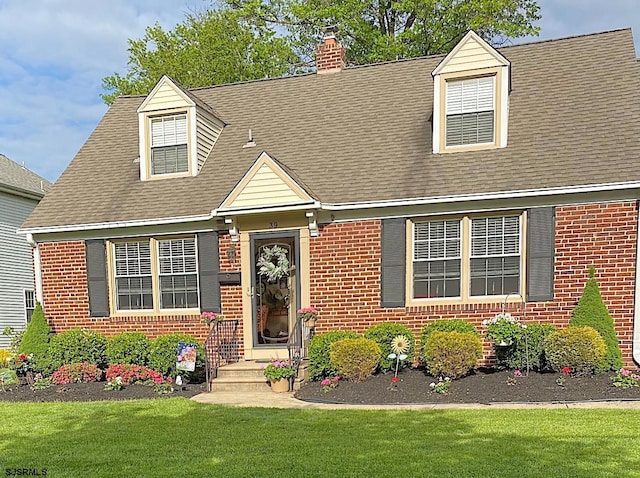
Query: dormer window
[(470, 111), (169, 152)]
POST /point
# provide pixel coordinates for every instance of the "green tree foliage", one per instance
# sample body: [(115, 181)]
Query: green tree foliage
[(208, 48), (36, 338), (384, 30), (591, 311)]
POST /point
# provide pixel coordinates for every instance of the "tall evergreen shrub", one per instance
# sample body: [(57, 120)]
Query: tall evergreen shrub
[(591, 311), (36, 338)]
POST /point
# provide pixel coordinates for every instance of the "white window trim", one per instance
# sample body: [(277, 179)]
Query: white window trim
[(155, 278), (24, 302), (465, 281)]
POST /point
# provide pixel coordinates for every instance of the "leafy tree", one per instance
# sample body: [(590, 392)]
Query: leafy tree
[(591, 311), (208, 48), (381, 30)]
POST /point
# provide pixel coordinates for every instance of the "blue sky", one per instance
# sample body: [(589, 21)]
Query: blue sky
[(54, 54)]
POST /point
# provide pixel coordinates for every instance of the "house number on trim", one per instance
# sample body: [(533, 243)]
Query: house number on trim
[(273, 225)]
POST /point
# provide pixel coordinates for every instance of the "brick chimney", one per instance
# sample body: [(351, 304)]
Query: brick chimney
[(331, 56)]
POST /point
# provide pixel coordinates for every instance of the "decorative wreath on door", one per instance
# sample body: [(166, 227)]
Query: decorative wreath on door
[(273, 263)]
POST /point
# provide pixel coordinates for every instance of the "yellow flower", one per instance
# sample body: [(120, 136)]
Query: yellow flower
[(400, 344)]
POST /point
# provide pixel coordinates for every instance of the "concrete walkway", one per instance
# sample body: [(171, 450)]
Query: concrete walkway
[(268, 399)]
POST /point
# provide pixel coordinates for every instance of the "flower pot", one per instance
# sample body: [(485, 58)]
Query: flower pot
[(280, 386), (311, 323)]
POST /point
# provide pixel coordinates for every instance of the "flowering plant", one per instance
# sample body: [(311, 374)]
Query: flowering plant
[(211, 317), (442, 386), (279, 369), (625, 379), (307, 313), (76, 373), (330, 383), (22, 364), (503, 328)]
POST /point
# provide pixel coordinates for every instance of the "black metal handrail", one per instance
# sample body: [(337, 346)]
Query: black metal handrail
[(221, 347), (295, 344)]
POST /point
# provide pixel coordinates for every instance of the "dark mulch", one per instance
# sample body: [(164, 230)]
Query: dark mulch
[(89, 392), (484, 386)]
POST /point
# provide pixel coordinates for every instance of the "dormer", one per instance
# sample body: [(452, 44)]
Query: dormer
[(471, 98), (177, 131)]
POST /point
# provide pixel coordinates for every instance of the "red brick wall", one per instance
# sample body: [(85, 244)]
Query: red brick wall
[(345, 274), (64, 277), (345, 280)]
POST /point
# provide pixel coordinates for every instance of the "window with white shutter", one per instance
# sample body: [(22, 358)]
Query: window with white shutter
[(470, 111), (169, 152)]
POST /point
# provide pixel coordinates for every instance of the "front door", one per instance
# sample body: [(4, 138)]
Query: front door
[(276, 290)]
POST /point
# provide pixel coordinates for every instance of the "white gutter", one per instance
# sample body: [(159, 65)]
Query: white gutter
[(37, 268), (114, 225), (635, 347), (485, 196), (281, 208)]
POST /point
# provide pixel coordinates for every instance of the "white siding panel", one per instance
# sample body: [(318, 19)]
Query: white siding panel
[(16, 267), (266, 188), (208, 133), (165, 98), (470, 57)]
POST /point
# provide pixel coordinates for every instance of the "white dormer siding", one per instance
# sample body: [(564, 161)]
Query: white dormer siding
[(471, 95), (176, 135)]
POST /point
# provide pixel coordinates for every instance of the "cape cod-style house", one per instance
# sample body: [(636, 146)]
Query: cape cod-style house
[(439, 187)]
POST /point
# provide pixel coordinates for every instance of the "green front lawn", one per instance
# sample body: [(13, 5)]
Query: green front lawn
[(176, 437)]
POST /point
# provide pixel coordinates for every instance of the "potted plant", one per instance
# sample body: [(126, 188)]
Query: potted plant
[(279, 373), (503, 329), (308, 315), (211, 318)]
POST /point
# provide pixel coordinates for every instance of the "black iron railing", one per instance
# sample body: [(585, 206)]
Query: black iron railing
[(298, 343), (221, 347)]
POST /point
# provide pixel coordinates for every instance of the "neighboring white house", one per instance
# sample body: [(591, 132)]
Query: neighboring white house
[(20, 192)]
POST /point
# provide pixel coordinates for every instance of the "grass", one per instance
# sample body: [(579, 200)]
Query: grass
[(176, 437)]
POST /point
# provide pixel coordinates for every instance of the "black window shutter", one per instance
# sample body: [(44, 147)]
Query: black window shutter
[(208, 268), (393, 267), (540, 253), (97, 277)]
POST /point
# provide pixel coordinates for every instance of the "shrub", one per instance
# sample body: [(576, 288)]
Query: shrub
[(130, 373), (579, 348), (36, 340), (591, 311), (76, 373), (77, 346), (5, 357), (319, 350), (355, 359), (451, 354), (163, 353), (446, 325), (383, 334), (8, 377), (530, 343), (128, 347)]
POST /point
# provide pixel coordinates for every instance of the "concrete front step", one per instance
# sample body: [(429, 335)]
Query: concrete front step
[(247, 376)]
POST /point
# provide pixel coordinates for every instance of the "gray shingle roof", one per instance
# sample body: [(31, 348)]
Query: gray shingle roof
[(20, 180), (365, 135)]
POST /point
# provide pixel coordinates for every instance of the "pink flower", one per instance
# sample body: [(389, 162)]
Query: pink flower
[(517, 373), (326, 382), (566, 370)]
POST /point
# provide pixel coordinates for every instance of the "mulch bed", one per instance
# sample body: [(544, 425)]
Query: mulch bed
[(484, 386), (90, 392)]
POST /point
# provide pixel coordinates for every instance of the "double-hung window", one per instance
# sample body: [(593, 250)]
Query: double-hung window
[(470, 111), (155, 274), (29, 303), (169, 153), (467, 257)]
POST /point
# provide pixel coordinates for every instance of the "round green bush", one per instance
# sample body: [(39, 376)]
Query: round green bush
[(529, 344), (446, 325), (579, 348), (8, 377), (355, 359), (77, 346), (451, 354), (128, 347), (319, 350), (163, 353), (383, 334)]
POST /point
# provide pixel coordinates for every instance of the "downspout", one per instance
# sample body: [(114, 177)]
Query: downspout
[(636, 311), (37, 268)]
